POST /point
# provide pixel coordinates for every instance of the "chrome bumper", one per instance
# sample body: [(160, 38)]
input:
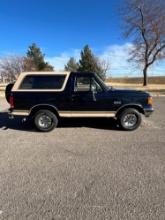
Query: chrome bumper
[(148, 111)]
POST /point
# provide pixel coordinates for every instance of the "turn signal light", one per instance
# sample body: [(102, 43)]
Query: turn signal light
[(150, 101)]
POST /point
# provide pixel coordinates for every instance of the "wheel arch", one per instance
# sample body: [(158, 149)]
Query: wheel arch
[(139, 108), (36, 108)]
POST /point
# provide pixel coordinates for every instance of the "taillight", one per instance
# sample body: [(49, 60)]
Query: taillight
[(11, 101), (150, 100)]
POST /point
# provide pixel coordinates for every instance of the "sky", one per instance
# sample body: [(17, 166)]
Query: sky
[(62, 27)]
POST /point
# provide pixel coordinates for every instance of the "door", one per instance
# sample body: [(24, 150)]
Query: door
[(82, 96), (88, 95)]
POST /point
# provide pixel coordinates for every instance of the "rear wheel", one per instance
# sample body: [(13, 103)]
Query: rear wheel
[(45, 120), (129, 119)]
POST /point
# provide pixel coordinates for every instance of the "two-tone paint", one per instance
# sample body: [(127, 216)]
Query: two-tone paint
[(67, 102)]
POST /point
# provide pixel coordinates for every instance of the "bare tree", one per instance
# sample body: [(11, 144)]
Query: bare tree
[(11, 67), (105, 67), (29, 65), (145, 24)]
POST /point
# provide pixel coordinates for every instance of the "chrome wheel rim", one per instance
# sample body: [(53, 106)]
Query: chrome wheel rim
[(130, 120), (44, 121)]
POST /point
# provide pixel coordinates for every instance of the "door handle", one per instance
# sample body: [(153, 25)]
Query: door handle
[(74, 96)]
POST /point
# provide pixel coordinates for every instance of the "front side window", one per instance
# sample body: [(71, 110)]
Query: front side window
[(85, 84), (43, 82), (82, 84)]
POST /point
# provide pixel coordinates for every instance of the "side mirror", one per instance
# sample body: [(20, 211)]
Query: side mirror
[(94, 91)]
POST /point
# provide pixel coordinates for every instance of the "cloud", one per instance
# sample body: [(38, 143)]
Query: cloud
[(59, 61), (116, 55)]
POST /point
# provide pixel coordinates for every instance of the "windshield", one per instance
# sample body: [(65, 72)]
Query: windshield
[(102, 82)]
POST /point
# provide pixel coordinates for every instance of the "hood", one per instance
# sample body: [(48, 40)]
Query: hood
[(130, 92)]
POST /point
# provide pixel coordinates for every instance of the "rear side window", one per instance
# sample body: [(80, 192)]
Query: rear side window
[(42, 82)]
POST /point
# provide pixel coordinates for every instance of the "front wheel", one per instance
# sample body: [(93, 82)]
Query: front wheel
[(45, 120), (129, 119)]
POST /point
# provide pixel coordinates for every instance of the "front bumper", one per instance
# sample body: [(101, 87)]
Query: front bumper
[(148, 111)]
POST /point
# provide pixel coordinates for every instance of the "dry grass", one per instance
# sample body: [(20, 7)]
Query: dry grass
[(138, 80), (138, 86)]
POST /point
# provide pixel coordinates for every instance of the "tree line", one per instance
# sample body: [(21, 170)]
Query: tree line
[(143, 25), (88, 63), (34, 60), (12, 66)]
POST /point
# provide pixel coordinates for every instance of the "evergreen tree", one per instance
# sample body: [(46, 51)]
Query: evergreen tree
[(35, 54), (72, 65), (90, 63)]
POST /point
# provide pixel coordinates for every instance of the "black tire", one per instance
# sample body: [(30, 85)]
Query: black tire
[(45, 120), (8, 91), (129, 119)]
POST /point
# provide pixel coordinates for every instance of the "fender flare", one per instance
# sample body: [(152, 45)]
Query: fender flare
[(132, 105), (38, 107)]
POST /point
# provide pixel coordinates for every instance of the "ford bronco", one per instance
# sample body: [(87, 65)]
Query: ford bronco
[(45, 97)]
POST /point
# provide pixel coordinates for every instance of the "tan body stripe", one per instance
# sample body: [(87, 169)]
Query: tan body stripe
[(83, 114), (70, 114)]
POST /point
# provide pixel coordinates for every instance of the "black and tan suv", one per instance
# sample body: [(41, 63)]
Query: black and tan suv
[(45, 97)]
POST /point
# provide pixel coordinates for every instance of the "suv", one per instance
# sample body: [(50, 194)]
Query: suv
[(46, 97)]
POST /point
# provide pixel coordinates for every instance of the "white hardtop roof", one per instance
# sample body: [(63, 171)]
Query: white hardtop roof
[(24, 74), (43, 73)]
